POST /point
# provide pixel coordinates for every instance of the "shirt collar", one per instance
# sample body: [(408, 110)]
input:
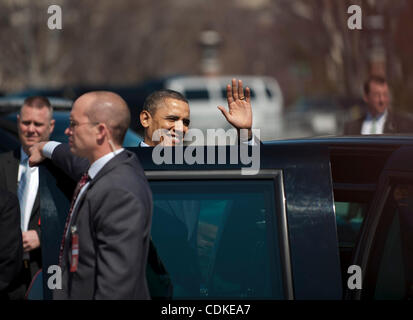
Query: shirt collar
[(143, 144), (23, 155), (96, 166), (378, 118)]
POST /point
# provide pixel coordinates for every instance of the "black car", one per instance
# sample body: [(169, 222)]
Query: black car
[(317, 210)]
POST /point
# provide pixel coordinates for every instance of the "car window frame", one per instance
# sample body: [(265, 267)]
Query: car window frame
[(279, 202), (366, 242)]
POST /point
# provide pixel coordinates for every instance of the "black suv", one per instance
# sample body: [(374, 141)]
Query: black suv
[(326, 218)]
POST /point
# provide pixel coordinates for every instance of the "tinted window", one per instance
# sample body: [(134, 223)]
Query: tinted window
[(131, 139), (224, 93), (349, 217), (351, 203), (218, 239), (196, 94), (391, 265)]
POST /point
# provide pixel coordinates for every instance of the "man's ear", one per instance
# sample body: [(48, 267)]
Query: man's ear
[(103, 130), (365, 99), (145, 118), (52, 123)]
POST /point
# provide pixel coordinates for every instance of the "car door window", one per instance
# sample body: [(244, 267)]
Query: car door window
[(391, 263), (349, 217), (351, 209), (218, 239)]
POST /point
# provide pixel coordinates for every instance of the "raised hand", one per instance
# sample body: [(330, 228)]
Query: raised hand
[(239, 112)]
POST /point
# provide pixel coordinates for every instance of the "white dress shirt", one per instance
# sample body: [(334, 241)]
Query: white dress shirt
[(368, 126), (143, 144), (33, 188)]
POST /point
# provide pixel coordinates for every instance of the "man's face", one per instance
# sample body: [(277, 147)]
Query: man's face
[(34, 125), (171, 115), (81, 132), (378, 99)]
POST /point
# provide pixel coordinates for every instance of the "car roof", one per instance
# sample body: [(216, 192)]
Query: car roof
[(360, 140), (354, 159), (222, 81)]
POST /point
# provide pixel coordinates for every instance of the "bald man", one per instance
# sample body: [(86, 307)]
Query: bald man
[(105, 243)]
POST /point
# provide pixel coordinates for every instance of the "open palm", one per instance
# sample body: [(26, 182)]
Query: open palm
[(239, 112)]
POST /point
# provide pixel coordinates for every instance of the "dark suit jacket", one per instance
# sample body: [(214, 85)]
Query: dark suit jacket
[(11, 247), (9, 169), (113, 220), (395, 123)]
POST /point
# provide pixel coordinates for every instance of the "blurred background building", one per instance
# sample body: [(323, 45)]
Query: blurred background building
[(134, 45)]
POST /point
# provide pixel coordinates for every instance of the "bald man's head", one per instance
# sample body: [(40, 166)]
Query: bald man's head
[(109, 108)]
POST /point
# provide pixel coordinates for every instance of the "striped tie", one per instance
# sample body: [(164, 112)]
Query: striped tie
[(85, 178)]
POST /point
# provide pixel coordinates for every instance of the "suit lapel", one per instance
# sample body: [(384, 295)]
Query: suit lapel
[(15, 172), (106, 168), (36, 206), (110, 165), (389, 125), (12, 171)]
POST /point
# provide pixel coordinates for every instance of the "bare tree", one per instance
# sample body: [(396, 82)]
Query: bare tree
[(305, 44)]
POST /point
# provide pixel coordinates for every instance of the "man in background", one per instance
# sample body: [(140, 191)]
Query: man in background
[(169, 111), (379, 118), (35, 124)]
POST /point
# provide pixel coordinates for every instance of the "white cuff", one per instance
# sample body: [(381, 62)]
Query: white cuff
[(49, 148), (250, 142)]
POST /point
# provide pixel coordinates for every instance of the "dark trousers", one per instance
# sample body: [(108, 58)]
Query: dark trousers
[(21, 283)]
